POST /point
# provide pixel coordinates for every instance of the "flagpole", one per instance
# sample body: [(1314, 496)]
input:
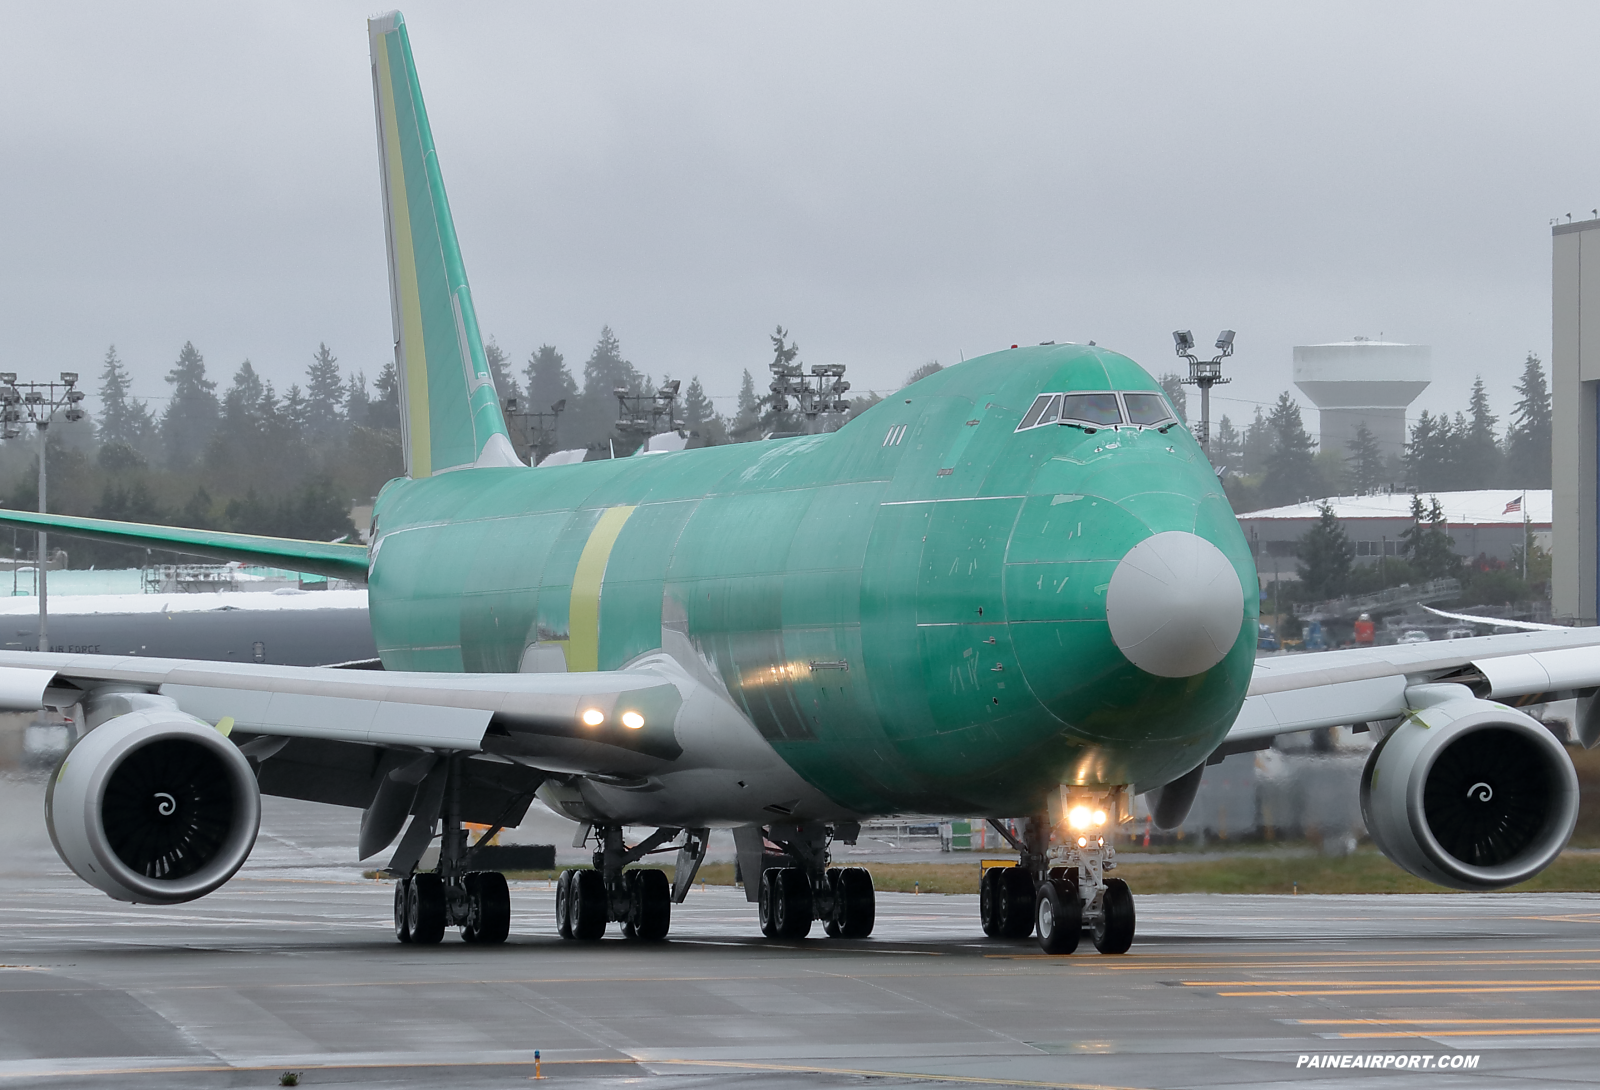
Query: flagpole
[(1527, 538)]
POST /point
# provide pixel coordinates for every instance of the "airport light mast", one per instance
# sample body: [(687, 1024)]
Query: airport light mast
[(37, 403), (538, 429), (1204, 374)]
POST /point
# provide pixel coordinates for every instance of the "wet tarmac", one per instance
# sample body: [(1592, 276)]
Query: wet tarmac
[(292, 967)]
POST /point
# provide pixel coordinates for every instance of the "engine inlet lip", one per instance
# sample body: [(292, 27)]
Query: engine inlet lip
[(1552, 836), (232, 852)]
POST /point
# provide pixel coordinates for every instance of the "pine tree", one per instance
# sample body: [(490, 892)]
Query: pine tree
[(1256, 450), (1178, 394), (192, 409), (324, 409), (549, 381), (123, 421), (932, 367), (1479, 458), (1325, 557), (697, 410), (1366, 461), (505, 383), (1427, 542), (747, 419), (383, 413), (357, 402), (1291, 472), (1227, 446), (1528, 444), (1433, 458)]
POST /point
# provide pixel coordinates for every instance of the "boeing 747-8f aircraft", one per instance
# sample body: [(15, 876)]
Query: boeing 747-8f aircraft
[(1014, 589)]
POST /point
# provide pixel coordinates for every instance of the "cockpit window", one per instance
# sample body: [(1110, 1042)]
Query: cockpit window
[(1036, 412), (1147, 410), (1095, 410)]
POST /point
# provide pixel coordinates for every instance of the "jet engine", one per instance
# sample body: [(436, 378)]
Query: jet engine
[(154, 807), (1469, 793)]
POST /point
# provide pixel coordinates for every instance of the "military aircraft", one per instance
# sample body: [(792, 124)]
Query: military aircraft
[(1013, 589)]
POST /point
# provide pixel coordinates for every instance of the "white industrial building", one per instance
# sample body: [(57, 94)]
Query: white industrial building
[(1488, 523), (1363, 381)]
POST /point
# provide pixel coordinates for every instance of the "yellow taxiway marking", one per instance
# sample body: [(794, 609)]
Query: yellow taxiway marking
[(1576, 1031), (1268, 991), (810, 1069), (1278, 984)]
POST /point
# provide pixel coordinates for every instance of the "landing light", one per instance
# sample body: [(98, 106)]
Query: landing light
[(593, 717), (1099, 817), (1083, 842), (632, 720), (1078, 817)]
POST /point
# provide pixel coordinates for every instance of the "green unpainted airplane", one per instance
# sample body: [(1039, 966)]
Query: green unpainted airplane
[(1014, 589)]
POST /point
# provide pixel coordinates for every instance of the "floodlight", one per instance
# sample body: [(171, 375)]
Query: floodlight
[(1225, 341), (511, 404), (8, 378), (558, 406), (670, 389), (1184, 340), (69, 377)]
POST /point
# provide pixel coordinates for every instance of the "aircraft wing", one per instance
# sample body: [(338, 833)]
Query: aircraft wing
[(542, 714), (1366, 684)]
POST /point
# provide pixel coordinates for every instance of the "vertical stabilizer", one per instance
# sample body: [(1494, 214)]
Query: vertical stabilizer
[(450, 412)]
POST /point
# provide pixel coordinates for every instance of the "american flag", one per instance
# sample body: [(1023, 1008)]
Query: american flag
[(1514, 506)]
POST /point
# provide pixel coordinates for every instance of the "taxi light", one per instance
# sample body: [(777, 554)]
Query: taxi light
[(593, 717), (1078, 817), (1102, 842), (632, 720), (1083, 842), (1099, 817)]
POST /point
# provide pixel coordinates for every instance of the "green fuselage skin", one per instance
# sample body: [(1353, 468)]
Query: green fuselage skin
[(914, 625)]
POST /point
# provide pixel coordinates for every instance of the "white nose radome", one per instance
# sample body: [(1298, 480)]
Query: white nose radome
[(1174, 605)]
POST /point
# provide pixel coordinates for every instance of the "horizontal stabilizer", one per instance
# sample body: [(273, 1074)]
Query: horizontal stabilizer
[(333, 559)]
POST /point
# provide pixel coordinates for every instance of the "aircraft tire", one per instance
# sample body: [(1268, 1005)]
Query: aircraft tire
[(1113, 931), (989, 902), (1016, 902), (588, 911), (856, 903), (764, 901), (650, 905), (564, 904), (831, 924), (1059, 917), (489, 913), (402, 921), (425, 910), (792, 904)]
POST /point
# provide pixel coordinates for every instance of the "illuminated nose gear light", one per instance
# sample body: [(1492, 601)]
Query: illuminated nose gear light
[(632, 720), (1099, 817), (593, 717), (1078, 817)]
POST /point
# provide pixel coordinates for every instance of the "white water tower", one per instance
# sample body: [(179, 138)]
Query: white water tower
[(1363, 381)]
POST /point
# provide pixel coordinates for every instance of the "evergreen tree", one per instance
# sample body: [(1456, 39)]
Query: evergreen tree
[(1528, 444), (1291, 472), (505, 383), (1178, 394), (192, 409), (1434, 454), (748, 416), (1427, 544), (1227, 446), (697, 410), (932, 367), (1366, 461), (1256, 450), (604, 372), (383, 412), (1325, 557), (1478, 457), (123, 420), (324, 397), (549, 381), (357, 403)]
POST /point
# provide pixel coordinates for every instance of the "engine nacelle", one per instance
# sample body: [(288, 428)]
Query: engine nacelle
[(1469, 793), (154, 807)]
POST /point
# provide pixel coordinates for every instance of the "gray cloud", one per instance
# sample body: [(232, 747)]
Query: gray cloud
[(894, 183)]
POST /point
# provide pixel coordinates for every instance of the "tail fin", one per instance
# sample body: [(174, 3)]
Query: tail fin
[(449, 409)]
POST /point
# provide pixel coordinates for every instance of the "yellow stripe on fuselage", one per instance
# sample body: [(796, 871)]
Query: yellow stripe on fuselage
[(583, 617), (419, 453)]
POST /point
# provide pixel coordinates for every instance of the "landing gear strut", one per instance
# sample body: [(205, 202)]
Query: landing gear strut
[(478, 902), (640, 900), (796, 887), (1059, 887)]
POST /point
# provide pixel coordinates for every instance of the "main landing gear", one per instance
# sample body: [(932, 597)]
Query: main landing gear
[(1058, 890), (797, 887), (640, 900), (477, 902)]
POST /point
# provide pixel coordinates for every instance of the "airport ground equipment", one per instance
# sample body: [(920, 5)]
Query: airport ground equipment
[(1014, 590)]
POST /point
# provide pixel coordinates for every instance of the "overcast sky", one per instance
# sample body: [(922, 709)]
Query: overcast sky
[(893, 183)]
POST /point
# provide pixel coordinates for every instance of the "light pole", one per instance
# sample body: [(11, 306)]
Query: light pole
[(1204, 374), (37, 403)]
